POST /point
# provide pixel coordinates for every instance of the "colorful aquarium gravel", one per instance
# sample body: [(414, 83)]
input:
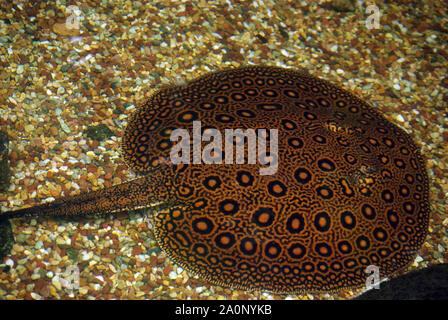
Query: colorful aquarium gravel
[(56, 81)]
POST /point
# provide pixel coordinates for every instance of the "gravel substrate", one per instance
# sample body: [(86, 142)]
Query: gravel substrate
[(56, 81)]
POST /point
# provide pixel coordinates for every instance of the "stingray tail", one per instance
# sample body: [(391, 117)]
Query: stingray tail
[(135, 194), (155, 189)]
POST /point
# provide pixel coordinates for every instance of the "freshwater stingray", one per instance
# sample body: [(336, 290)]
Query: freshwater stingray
[(350, 188)]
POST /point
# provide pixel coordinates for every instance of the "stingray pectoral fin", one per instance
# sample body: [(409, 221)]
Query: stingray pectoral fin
[(6, 239), (189, 237)]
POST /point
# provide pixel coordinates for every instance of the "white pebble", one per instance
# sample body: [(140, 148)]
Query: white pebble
[(9, 262), (173, 275), (35, 296), (400, 118), (91, 155), (55, 282), (35, 276), (60, 91), (85, 256), (418, 259)]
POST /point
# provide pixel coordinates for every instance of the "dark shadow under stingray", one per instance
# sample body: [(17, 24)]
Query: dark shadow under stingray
[(427, 284), (6, 238)]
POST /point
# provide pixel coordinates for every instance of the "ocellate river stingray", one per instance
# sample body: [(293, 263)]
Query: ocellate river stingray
[(350, 189)]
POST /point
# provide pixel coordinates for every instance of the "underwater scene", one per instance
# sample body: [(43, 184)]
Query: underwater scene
[(223, 150)]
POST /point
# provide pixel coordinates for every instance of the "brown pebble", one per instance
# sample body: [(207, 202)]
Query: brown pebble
[(17, 247), (108, 176), (153, 261), (63, 30), (55, 192), (92, 168), (54, 131), (94, 144), (109, 169), (13, 156), (445, 136), (166, 270), (137, 250)]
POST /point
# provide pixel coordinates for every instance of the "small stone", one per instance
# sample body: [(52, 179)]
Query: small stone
[(85, 256), (136, 251), (9, 262), (342, 5), (64, 30), (20, 69), (35, 276), (60, 91), (38, 245), (55, 282), (99, 132), (64, 126), (35, 296), (166, 270), (29, 128), (65, 67), (83, 290), (53, 291), (17, 247), (13, 156), (20, 269)]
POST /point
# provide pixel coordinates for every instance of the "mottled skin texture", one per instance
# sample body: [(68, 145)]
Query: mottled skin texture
[(350, 191)]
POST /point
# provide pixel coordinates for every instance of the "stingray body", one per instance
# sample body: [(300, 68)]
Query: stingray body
[(350, 188)]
